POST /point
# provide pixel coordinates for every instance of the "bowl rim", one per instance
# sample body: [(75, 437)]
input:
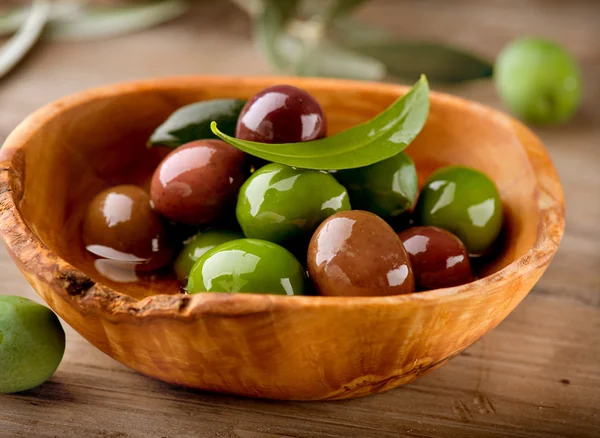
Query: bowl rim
[(91, 297)]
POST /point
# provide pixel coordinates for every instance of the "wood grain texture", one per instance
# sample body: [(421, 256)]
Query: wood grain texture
[(537, 374)]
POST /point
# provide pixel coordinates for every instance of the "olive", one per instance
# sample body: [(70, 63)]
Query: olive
[(356, 253), (32, 344), (120, 225), (281, 114), (465, 202), (438, 258), (247, 265), (285, 205), (197, 182), (197, 245), (387, 188), (538, 80)]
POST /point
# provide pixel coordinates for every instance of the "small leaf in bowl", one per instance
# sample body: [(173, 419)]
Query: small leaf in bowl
[(382, 137), (192, 122)]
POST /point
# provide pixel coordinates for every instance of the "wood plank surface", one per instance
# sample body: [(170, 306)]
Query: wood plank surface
[(536, 375)]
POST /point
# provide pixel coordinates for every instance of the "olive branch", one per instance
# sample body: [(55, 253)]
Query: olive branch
[(297, 37)]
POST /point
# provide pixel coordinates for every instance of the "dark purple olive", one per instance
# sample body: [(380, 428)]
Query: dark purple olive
[(196, 182), (438, 258), (281, 114)]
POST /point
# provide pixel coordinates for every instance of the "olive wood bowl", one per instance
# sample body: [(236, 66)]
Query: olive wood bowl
[(278, 347)]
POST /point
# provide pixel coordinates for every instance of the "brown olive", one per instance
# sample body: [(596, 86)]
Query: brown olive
[(196, 182), (439, 258), (281, 114), (356, 253), (120, 225)]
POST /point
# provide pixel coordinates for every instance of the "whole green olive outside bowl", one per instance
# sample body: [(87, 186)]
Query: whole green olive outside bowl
[(258, 345), (538, 80), (32, 344)]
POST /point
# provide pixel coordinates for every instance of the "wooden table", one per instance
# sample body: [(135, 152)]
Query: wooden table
[(537, 374)]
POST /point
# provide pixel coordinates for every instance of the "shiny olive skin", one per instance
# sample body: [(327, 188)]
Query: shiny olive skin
[(249, 266), (32, 344), (465, 202), (120, 225), (438, 258), (196, 183), (387, 188), (285, 205), (281, 114), (198, 245), (356, 253)]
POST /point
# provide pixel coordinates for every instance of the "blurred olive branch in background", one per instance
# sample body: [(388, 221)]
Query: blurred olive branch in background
[(297, 37)]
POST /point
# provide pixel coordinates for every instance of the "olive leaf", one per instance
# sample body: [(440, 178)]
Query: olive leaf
[(292, 54), (336, 9), (12, 20), (408, 59), (192, 122), (328, 60), (96, 22), (382, 137), (16, 48), (269, 25), (441, 63)]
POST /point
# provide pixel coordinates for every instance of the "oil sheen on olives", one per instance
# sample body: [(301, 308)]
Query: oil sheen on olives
[(121, 228), (285, 205), (465, 202), (438, 258), (247, 265), (359, 227), (281, 114), (196, 182)]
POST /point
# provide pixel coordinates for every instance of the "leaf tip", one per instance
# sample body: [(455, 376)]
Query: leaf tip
[(214, 129)]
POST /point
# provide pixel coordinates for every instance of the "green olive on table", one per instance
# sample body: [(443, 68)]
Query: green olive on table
[(247, 265), (285, 205), (199, 244), (387, 188), (32, 344), (465, 202), (538, 80)]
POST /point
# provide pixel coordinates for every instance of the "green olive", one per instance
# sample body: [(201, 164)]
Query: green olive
[(285, 205), (32, 344), (465, 202), (198, 245), (538, 80), (387, 188), (247, 265)]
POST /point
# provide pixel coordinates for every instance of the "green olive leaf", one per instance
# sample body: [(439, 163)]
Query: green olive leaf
[(408, 59), (103, 22), (192, 122), (328, 60), (442, 63), (269, 25), (29, 32), (382, 137)]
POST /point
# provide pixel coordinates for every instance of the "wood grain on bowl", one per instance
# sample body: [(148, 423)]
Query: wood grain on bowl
[(303, 348)]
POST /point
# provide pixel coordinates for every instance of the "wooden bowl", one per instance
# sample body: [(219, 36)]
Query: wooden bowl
[(297, 348)]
